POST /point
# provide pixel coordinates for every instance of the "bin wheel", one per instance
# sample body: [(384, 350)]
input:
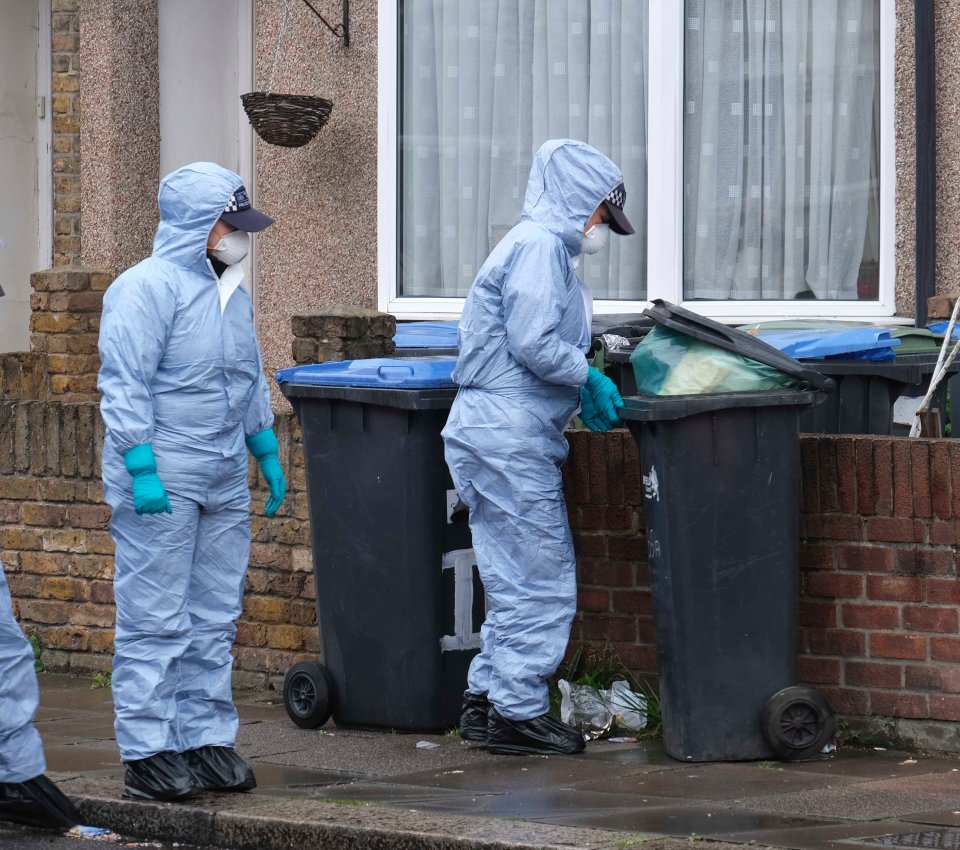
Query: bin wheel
[(307, 694), (797, 723)]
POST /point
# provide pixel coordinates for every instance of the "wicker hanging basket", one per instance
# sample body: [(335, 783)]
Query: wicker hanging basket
[(288, 120)]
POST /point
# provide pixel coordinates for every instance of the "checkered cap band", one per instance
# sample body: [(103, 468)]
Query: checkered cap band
[(239, 201), (617, 196)]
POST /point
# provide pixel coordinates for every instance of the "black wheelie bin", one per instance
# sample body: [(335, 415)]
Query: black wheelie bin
[(865, 399), (721, 479), (399, 599)]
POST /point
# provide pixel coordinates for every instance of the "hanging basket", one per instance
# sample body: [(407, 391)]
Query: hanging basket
[(287, 120)]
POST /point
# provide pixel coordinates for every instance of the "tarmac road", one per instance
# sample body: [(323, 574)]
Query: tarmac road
[(20, 838)]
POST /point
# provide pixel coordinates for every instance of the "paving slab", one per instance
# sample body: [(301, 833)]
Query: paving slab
[(689, 820), (337, 787), (718, 781), (858, 802)]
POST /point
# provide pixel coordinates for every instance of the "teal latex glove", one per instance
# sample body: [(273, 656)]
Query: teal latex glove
[(606, 397), (588, 412), (263, 446), (149, 494)]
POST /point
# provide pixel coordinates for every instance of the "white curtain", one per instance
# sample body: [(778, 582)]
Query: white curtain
[(780, 147), (484, 84)]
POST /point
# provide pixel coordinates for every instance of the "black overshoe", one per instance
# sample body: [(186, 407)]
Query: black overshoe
[(37, 802), (543, 735), (220, 769), (164, 777), (473, 717)]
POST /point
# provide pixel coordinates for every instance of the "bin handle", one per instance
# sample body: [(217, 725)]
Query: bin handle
[(394, 373)]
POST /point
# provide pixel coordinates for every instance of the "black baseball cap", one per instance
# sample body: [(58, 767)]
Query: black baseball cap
[(242, 215), (615, 200)]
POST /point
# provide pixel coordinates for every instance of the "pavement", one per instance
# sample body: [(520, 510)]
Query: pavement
[(338, 788)]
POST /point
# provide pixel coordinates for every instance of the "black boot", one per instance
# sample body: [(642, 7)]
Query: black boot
[(220, 769), (164, 777), (37, 802), (473, 717), (543, 735)]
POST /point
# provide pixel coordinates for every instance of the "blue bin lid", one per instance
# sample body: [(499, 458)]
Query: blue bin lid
[(377, 372), (427, 335)]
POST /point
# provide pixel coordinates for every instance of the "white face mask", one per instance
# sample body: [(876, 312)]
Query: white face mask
[(232, 248), (595, 239)]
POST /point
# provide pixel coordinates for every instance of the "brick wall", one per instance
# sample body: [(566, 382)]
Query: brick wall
[(879, 589), (56, 546), (64, 325), (65, 112)]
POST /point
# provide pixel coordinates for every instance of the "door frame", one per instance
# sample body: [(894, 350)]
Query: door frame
[(44, 136)]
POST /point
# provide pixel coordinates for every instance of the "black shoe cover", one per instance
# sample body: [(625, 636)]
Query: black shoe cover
[(37, 802), (220, 769), (473, 717), (543, 735), (165, 777)]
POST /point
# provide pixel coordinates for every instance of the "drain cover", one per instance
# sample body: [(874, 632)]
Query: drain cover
[(946, 838)]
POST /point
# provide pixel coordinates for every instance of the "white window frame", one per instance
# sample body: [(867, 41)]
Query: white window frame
[(664, 183)]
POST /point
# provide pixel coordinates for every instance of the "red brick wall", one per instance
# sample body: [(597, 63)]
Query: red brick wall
[(879, 590), (604, 496)]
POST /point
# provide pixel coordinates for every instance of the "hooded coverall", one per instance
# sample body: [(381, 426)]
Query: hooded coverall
[(184, 374), (523, 337)]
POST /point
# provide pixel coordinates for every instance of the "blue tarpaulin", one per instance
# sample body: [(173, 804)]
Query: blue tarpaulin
[(940, 329), (874, 344)]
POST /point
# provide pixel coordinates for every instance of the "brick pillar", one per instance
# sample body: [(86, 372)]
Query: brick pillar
[(64, 325), (342, 333), (65, 108)]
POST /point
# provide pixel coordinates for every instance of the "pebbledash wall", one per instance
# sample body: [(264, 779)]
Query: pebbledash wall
[(879, 613)]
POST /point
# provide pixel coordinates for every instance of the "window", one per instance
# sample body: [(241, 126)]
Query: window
[(756, 143)]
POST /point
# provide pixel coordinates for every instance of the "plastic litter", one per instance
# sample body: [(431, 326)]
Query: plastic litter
[(629, 709), (829, 748), (98, 832), (614, 342), (622, 740), (667, 363), (597, 712), (582, 708), (427, 745)]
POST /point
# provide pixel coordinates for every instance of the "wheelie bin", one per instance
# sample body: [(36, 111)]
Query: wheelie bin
[(399, 599), (721, 480)]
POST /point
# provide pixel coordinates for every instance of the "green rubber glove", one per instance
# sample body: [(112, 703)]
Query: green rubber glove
[(606, 397), (588, 412), (263, 446), (149, 494)]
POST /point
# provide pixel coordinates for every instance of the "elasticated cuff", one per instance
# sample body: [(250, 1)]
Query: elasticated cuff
[(263, 443), (140, 459)]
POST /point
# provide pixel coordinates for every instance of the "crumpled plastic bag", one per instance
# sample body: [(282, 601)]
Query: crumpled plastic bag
[(629, 709), (666, 362), (597, 712), (582, 708)]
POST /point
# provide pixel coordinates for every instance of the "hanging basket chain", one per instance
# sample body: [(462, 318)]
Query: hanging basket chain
[(276, 49), (287, 120)]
